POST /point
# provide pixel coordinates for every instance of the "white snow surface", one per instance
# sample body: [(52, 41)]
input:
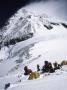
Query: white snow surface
[(45, 44)]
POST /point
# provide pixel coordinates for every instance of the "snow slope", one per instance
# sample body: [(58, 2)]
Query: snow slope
[(48, 83), (35, 39)]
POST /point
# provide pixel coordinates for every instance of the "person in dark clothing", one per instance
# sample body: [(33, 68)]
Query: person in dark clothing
[(59, 66), (27, 71), (51, 69), (6, 86), (56, 66), (38, 67), (45, 68), (50, 65)]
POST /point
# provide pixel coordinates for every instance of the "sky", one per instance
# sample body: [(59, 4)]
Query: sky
[(57, 8)]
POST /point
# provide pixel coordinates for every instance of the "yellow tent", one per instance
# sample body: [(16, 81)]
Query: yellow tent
[(34, 75), (64, 62)]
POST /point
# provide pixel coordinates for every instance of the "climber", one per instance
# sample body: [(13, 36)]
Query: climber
[(56, 66), (51, 69), (27, 71), (38, 67), (45, 67)]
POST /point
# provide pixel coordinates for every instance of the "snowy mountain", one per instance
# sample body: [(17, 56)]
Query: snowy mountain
[(23, 25), (30, 39)]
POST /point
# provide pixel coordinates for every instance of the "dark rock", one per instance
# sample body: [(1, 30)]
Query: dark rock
[(49, 27), (64, 25), (54, 23)]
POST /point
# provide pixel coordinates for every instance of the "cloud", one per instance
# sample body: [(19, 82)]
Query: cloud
[(54, 8)]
